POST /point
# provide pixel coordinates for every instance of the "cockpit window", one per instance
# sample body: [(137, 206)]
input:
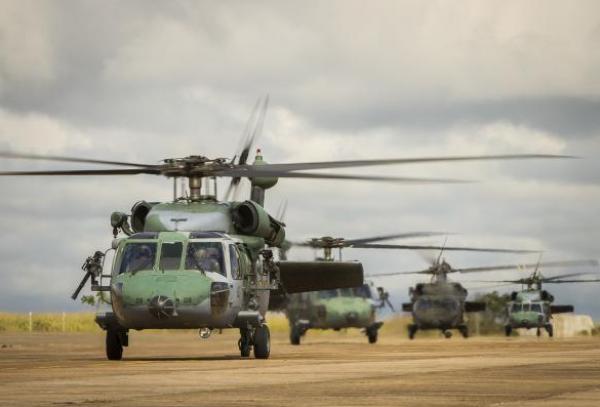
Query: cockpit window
[(346, 292), (536, 308), (363, 291), (516, 308), (205, 256), (138, 256), (170, 255), (234, 260), (447, 304), (326, 294), (423, 304)]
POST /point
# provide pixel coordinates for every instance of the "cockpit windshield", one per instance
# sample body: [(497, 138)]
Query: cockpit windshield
[(424, 304), (346, 292), (138, 256), (170, 255), (363, 291), (206, 256), (326, 294), (536, 308), (516, 308)]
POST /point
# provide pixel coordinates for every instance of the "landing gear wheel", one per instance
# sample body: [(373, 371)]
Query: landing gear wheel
[(464, 331), (550, 330), (412, 330), (262, 342), (538, 332), (295, 335), (372, 335), (508, 330), (245, 343), (447, 334), (114, 347)]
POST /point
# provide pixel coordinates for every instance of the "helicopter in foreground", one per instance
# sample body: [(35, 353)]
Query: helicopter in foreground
[(349, 307), (441, 304), (532, 307), (204, 263)]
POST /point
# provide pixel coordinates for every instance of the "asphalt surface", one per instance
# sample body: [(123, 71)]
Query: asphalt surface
[(339, 369)]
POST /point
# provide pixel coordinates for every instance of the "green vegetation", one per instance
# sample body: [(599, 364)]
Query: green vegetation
[(491, 321), (84, 322), (49, 322)]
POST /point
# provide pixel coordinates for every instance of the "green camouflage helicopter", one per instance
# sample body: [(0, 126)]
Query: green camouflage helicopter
[(532, 307), (198, 262), (442, 304), (350, 307), (338, 308)]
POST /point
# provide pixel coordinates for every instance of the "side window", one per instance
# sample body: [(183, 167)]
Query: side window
[(170, 256), (234, 259), (138, 256)]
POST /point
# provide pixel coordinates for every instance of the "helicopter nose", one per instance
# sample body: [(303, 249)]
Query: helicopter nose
[(162, 307)]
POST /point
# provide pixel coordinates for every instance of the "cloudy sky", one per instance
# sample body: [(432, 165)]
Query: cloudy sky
[(147, 80)]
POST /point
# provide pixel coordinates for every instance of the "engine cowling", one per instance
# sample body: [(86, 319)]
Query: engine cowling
[(250, 218), (139, 211)]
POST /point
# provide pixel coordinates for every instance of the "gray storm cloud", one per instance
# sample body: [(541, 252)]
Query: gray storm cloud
[(146, 80)]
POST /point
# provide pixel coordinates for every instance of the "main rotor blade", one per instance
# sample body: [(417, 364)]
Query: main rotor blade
[(549, 279), (572, 281), (390, 161), (23, 156), (446, 248), (124, 171), (398, 273), (244, 151), (569, 263), (256, 172), (390, 237)]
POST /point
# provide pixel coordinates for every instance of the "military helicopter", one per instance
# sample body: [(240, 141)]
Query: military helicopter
[(338, 308), (532, 307), (197, 262), (350, 307), (442, 304)]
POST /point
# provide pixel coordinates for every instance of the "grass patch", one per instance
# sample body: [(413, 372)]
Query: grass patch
[(48, 322)]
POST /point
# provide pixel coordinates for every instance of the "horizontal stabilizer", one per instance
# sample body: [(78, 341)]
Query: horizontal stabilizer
[(471, 306), (560, 309), (302, 276)]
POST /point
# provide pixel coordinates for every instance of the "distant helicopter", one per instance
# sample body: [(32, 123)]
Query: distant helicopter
[(532, 307), (340, 308), (442, 304), (198, 262), (350, 307)]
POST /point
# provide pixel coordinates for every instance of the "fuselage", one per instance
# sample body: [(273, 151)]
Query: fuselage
[(528, 310), (331, 309), (438, 305), (180, 280)]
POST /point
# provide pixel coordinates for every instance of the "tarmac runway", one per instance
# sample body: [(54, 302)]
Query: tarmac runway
[(179, 369)]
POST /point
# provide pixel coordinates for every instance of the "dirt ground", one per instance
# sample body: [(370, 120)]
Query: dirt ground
[(167, 369)]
